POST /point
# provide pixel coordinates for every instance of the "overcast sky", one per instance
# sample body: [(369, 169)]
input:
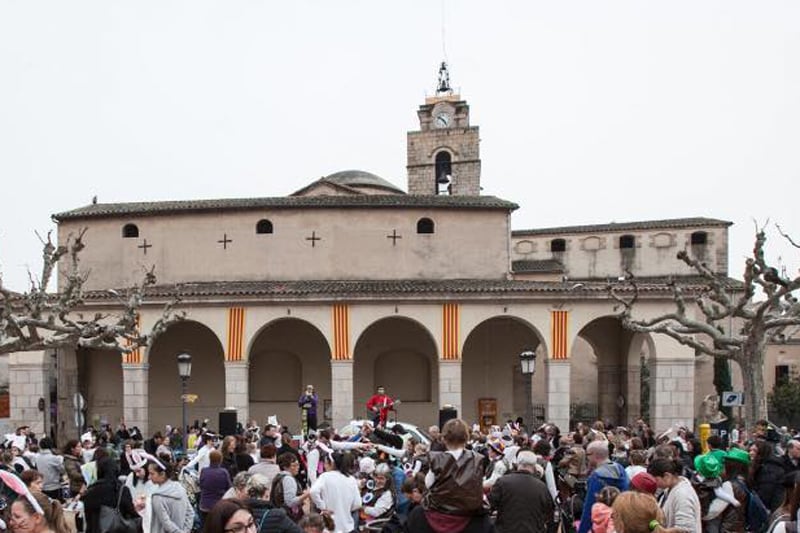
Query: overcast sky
[(590, 112)]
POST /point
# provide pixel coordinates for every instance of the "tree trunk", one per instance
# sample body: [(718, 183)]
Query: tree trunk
[(755, 401)]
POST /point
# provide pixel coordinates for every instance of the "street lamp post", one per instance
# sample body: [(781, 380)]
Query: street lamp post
[(527, 359), (184, 371)]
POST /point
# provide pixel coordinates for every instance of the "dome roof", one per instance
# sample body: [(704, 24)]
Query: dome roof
[(359, 178)]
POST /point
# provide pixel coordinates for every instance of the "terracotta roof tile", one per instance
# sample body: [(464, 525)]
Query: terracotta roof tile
[(337, 289), (285, 202)]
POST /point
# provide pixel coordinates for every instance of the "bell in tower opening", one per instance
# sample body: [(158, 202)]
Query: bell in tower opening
[(443, 157), (443, 172)]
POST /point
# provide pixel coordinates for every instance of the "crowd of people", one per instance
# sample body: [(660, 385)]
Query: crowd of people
[(462, 479)]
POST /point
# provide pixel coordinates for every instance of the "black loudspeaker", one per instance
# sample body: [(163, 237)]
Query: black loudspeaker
[(445, 414), (227, 423)]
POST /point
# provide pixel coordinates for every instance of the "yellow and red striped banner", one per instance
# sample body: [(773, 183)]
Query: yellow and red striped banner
[(235, 334), (134, 356), (450, 327), (341, 332), (559, 325)]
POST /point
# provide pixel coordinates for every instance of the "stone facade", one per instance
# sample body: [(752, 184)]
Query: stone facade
[(29, 376), (350, 283)]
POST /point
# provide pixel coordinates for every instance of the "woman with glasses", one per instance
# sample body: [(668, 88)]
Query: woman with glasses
[(285, 491), (382, 502), (230, 516)]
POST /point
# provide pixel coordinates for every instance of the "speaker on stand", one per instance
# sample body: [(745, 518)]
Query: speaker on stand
[(227, 422)]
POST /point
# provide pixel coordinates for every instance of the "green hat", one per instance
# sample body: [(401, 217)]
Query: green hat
[(738, 455), (707, 466)]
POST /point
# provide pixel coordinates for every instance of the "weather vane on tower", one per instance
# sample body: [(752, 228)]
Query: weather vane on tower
[(444, 80)]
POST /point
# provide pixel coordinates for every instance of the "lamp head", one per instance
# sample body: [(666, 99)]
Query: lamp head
[(184, 365)]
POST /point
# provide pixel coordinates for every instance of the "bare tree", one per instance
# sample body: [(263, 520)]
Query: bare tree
[(38, 319), (757, 322)]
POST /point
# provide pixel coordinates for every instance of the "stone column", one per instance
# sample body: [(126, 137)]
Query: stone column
[(237, 392), (67, 386), (671, 393), (633, 387), (135, 399), (450, 384), (609, 379), (558, 392), (28, 382), (342, 392)]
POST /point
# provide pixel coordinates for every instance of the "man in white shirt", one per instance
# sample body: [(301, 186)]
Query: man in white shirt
[(337, 493)]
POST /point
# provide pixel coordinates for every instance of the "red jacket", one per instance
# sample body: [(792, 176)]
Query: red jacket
[(382, 402)]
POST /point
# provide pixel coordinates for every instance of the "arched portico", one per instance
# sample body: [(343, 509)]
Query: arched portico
[(286, 355), (490, 367), (400, 354), (606, 370), (100, 382), (207, 380)]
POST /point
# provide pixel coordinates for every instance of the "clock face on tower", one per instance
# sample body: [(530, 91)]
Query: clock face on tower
[(442, 119)]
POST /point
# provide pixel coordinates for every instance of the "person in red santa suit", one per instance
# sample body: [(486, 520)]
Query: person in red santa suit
[(379, 405)]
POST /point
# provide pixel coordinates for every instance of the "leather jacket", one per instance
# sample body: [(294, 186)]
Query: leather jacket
[(458, 485)]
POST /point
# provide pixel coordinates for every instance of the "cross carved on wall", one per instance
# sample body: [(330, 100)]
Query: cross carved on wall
[(394, 236), (225, 240), (144, 246), (313, 239)]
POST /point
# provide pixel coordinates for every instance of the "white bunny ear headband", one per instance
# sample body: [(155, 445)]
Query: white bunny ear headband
[(14, 483), (138, 458), (135, 458)]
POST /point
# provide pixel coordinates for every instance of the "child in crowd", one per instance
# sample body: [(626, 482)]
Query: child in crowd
[(601, 510)]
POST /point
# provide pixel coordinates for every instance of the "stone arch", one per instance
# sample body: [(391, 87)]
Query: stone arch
[(286, 355), (207, 380), (490, 367), (603, 378), (400, 354), (100, 382)]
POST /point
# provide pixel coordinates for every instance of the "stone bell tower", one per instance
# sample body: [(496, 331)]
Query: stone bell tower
[(443, 156)]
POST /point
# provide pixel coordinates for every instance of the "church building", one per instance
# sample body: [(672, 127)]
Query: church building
[(353, 282)]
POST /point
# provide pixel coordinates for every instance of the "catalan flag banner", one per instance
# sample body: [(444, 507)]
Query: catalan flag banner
[(135, 356), (559, 325), (235, 334), (341, 332), (450, 327)]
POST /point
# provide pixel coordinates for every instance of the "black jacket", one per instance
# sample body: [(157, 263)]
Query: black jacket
[(270, 519), (105, 492), (523, 503), (768, 482)]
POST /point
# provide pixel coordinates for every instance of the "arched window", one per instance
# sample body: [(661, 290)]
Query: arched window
[(263, 226), (425, 225), (130, 231), (444, 172), (558, 245), (627, 241), (699, 238)]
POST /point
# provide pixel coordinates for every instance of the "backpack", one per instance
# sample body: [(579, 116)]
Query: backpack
[(276, 490), (756, 513), (277, 498)]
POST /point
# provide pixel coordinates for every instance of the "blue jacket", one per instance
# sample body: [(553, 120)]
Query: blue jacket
[(607, 474)]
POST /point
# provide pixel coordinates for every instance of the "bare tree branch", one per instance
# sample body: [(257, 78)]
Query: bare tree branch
[(38, 319), (787, 237), (758, 322)]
